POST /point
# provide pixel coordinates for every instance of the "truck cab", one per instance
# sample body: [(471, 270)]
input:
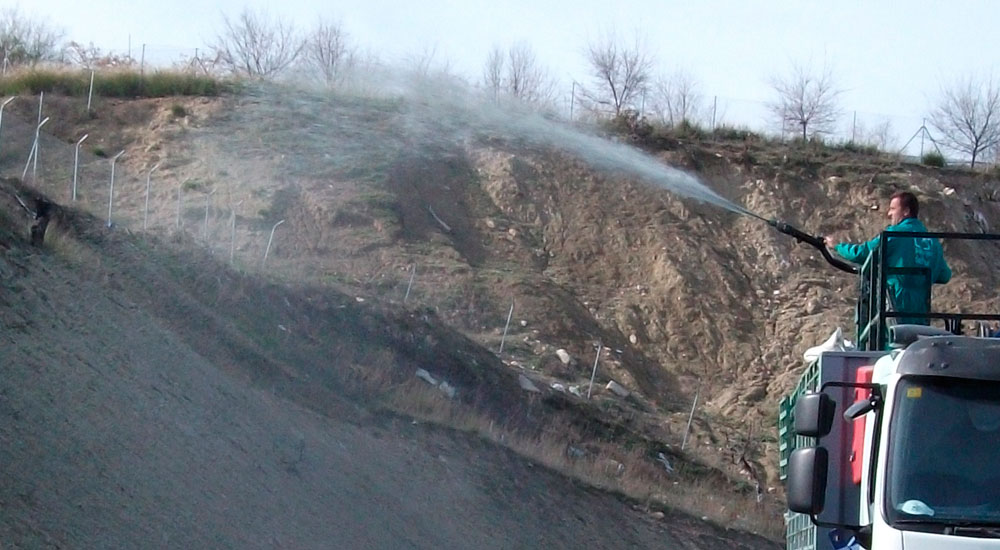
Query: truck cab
[(896, 444)]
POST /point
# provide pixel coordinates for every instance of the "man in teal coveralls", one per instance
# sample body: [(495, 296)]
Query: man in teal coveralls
[(909, 293)]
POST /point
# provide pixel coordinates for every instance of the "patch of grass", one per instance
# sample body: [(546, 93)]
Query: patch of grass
[(859, 148), (117, 83), (100, 152), (689, 130), (630, 123), (379, 203), (34, 81), (933, 158), (336, 277), (169, 83), (733, 133), (685, 130), (192, 185), (178, 110), (632, 473)]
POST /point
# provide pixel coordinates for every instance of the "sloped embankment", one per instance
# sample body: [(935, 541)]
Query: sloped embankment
[(127, 419)]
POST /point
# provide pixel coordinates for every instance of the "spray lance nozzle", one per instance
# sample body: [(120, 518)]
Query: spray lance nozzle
[(813, 241), (802, 237)]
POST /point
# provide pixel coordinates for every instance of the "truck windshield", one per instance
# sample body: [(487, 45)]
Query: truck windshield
[(944, 453)]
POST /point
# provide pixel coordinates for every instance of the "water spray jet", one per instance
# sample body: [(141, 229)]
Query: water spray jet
[(388, 115)]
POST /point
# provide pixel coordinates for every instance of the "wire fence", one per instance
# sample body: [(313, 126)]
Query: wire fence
[(89, 173), (125, 194)]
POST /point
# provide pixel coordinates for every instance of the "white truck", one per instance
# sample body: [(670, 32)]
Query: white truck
[(896, 445)]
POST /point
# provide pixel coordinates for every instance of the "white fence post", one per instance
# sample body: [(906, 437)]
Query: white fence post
[(76, 163), (572, 101), (38, 137), (269, 239), (506, 326), (180, 188), (111, 193), (90, 94), (690, 419), (204, 228), (413, 273), (4, 104), (594, 373), (145, 211), (33, 154), (232, 238)]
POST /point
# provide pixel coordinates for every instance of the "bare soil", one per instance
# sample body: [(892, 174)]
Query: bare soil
[(138, 413), (683, 299)]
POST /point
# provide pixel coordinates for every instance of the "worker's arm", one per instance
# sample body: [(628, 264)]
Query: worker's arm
[(856, 253)]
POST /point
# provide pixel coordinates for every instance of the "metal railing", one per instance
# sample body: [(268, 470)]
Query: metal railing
[(875, 309)]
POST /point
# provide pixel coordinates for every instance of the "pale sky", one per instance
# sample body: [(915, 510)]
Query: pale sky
[(890, 58)]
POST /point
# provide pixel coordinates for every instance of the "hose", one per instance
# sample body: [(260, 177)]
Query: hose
[(815, 242)]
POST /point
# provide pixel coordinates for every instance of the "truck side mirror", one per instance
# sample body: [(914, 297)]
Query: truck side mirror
[(806, 489), (814, 414), (862, 407)]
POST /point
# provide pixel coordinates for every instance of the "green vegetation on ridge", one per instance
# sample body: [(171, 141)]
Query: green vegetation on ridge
[(125, 83)]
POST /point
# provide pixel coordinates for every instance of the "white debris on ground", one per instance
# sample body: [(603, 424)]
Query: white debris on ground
[(527, 384), (662, 459), (448, 389), (426, 377), (617, 388), (442, 385)]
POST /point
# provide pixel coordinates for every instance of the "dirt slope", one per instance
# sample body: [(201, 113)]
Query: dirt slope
[(683, 298), (123, 427)]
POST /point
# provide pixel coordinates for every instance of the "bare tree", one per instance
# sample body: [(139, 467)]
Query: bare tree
[(527, 79), (257, 46), (879, 134), (92, 57), (518, 74), (27, 41), (807, 100), (493, 72), (328, 52), (968, 117), (427, 64), (677, 99), (620, 72)]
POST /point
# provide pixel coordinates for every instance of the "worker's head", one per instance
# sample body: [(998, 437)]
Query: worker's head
[(902, 205)]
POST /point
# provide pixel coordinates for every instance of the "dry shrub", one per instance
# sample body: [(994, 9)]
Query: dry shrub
[(64, 244), (607, 466)]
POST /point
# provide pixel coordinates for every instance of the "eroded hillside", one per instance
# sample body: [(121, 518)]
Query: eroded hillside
[(397, 240)]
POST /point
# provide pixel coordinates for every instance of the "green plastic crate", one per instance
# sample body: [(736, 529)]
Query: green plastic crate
[(788, 441)]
